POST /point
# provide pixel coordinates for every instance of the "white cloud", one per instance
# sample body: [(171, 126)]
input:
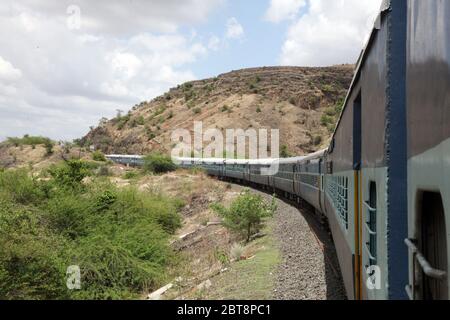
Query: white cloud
[(8, 72), (234, 29), (214, 43), (280, 10), (125, 17), (56, 82), (331, 32)]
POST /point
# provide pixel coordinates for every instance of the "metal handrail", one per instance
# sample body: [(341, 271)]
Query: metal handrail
[(366, 203), (424, 264), (368, 252), (371, 232), (409, 292)]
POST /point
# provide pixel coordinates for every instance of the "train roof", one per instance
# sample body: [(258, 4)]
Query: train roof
[(315, 155), (123, 156), (268, 161)]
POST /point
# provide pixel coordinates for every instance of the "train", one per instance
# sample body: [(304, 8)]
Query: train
[(383, 183)]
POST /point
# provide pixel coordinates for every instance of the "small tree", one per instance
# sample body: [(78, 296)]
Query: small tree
[(98, 156), (284, 152), (158, 163), (48, 147), (70, 174), (246, 214)]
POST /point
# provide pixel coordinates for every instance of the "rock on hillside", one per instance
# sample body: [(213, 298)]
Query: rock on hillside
[(303, 103)]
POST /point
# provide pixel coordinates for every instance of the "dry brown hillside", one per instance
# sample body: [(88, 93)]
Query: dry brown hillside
[(36, 157), (303, 103)]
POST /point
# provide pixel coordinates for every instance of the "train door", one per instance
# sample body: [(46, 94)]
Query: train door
[(357, 146), (430, 262)]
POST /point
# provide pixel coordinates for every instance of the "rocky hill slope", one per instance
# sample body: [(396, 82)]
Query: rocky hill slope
[(303, 103)]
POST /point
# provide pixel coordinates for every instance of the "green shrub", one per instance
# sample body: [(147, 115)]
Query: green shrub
[(105, 200), (118, 237), (29, 140), (317, 140), (292, 100), (130, 175), (325, 120), (196, 110), (189, 95), (187, 86), (18, 186), (122, 121), (246, 214), (48, 147), (330, 112), (331, 127), (328, 88), (339, 106), (158, 163), (140, 120), (221, 256), (120, 267), (66, 214), (284, 152), (98, 156), (70, 174), (151, 136), (31, 265), (160, 111)]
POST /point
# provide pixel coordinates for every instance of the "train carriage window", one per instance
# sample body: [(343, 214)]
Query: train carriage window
[(337, 191)]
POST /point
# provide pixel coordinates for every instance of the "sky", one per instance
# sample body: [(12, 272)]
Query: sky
[(66, 64)]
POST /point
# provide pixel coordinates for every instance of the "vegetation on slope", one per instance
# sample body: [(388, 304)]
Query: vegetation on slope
[(158, 163), (297, 101), (32, 141), (118, 237)]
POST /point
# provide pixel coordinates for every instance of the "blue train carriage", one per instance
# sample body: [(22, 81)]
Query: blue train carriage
[(258, 172), (283, 179), (236, 169), (308, 181), (188, 163), (127, 160), (213, 166), (428, 142), (365, 181)]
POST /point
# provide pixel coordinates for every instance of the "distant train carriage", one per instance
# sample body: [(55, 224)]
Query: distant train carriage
[(256, 172), (283, 180), (308, 178), (236, 169), (128, 160)]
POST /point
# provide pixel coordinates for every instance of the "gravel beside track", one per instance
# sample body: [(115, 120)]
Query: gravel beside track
[(309, 269)]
